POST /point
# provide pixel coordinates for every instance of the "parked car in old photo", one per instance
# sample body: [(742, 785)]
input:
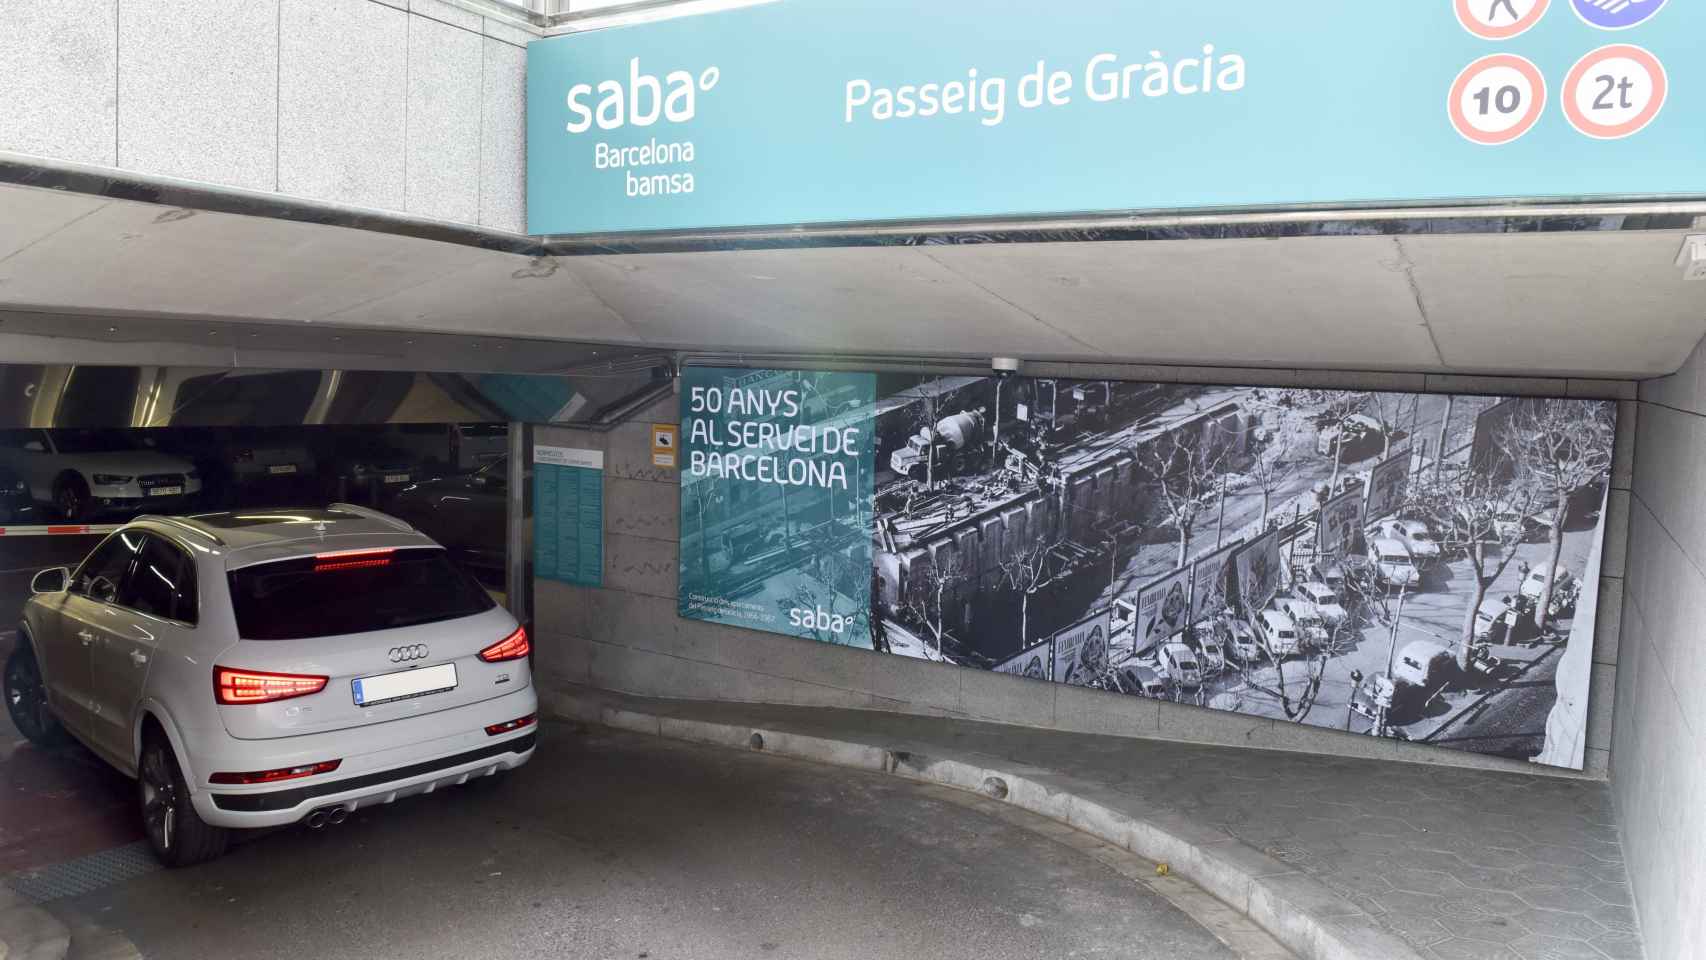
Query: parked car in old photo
[(1390, 562), (1178, 663), (262, 668), (1421, 670), (1239, 639), (1521, 526), (1311, 628), (1565, 589), (1210, 652), (1350, 436), (1324, 600), (1414, 535), (1139, 680), (1278, 634)]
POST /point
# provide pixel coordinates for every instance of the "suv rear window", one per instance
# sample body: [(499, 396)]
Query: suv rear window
[(351, 593)]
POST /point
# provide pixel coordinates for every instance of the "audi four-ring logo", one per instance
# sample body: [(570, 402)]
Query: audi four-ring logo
[(417, 651)]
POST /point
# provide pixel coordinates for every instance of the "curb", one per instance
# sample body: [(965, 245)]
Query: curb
[(1302, 913), (27, 932)]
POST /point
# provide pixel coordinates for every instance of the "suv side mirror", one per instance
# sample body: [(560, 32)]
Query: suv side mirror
[(51, 580)]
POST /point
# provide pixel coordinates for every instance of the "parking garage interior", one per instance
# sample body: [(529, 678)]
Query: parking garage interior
[(1014, 685)]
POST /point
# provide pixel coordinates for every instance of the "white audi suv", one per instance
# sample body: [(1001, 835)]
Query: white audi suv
[(259, 668)]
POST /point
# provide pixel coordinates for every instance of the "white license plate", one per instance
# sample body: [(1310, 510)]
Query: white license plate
[(165, 491), (404, 684), (396, 478), (282, 468)]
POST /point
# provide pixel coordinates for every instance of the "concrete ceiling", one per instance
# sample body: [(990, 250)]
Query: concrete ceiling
[(1601, 303)]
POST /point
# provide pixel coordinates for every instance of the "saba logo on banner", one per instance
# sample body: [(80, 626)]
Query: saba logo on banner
[(1616, 14)]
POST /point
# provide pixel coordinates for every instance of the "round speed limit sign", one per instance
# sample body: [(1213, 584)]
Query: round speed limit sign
[(1614, 91), (1497, 99)]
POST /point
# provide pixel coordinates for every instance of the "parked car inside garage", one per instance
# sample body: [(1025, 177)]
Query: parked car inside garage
[(86, 473), (16, 505), (467, 513), (363, 465), (244, 464)]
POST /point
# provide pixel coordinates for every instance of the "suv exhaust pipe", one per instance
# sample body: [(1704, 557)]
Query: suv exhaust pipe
[(326, 817)]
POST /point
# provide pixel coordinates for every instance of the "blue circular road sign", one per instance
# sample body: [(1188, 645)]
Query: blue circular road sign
[(1616, 14)]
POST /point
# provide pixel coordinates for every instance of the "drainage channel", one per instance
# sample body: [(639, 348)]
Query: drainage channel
[(73, 878)]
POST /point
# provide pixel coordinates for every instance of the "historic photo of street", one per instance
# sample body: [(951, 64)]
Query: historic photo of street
[(1413, 566)]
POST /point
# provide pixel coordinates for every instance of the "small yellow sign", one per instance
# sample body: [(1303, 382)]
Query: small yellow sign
[(665, 437)]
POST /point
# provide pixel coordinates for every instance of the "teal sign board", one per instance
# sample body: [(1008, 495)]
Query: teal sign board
[(776, 482), (815, 111), (568, 515)]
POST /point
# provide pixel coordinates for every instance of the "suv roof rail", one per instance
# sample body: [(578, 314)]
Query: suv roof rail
[(186, 526), (372, 514)]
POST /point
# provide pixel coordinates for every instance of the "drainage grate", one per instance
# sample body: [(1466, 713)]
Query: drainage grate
[(73, 878)]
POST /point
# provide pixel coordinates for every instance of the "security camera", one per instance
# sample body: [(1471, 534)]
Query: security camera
[(1004, 366)]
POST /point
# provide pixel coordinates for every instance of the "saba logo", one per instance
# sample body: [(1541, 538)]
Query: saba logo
[(1616, 14)]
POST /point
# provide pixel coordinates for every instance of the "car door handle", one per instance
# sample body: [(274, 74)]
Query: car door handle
[(138, 657), (86, 637)]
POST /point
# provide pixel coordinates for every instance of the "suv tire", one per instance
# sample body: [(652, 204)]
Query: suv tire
[(26, 699), (71, 497), (178, 835)]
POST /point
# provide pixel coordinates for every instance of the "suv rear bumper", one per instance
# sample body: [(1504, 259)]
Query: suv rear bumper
[(441, 749)]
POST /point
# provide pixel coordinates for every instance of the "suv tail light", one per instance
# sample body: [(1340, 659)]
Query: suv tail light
[(351, 559), (255, 686), (513, 647), (273, 776)]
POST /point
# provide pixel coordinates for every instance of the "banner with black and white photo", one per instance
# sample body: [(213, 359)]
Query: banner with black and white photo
[(1163, 608), (1387, 484), (1081, 651), (1035, 662), (1072, 529), (1258, 564), (1209, 583), (1340, 525)]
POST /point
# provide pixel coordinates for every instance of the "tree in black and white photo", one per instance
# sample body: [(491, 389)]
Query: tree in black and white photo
[(1394, 412), (931, 582), (1481, 513), (1026, 568), (1559, 447), (1337, 409), (704, 497), (1188, 476), (1275, 462)]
